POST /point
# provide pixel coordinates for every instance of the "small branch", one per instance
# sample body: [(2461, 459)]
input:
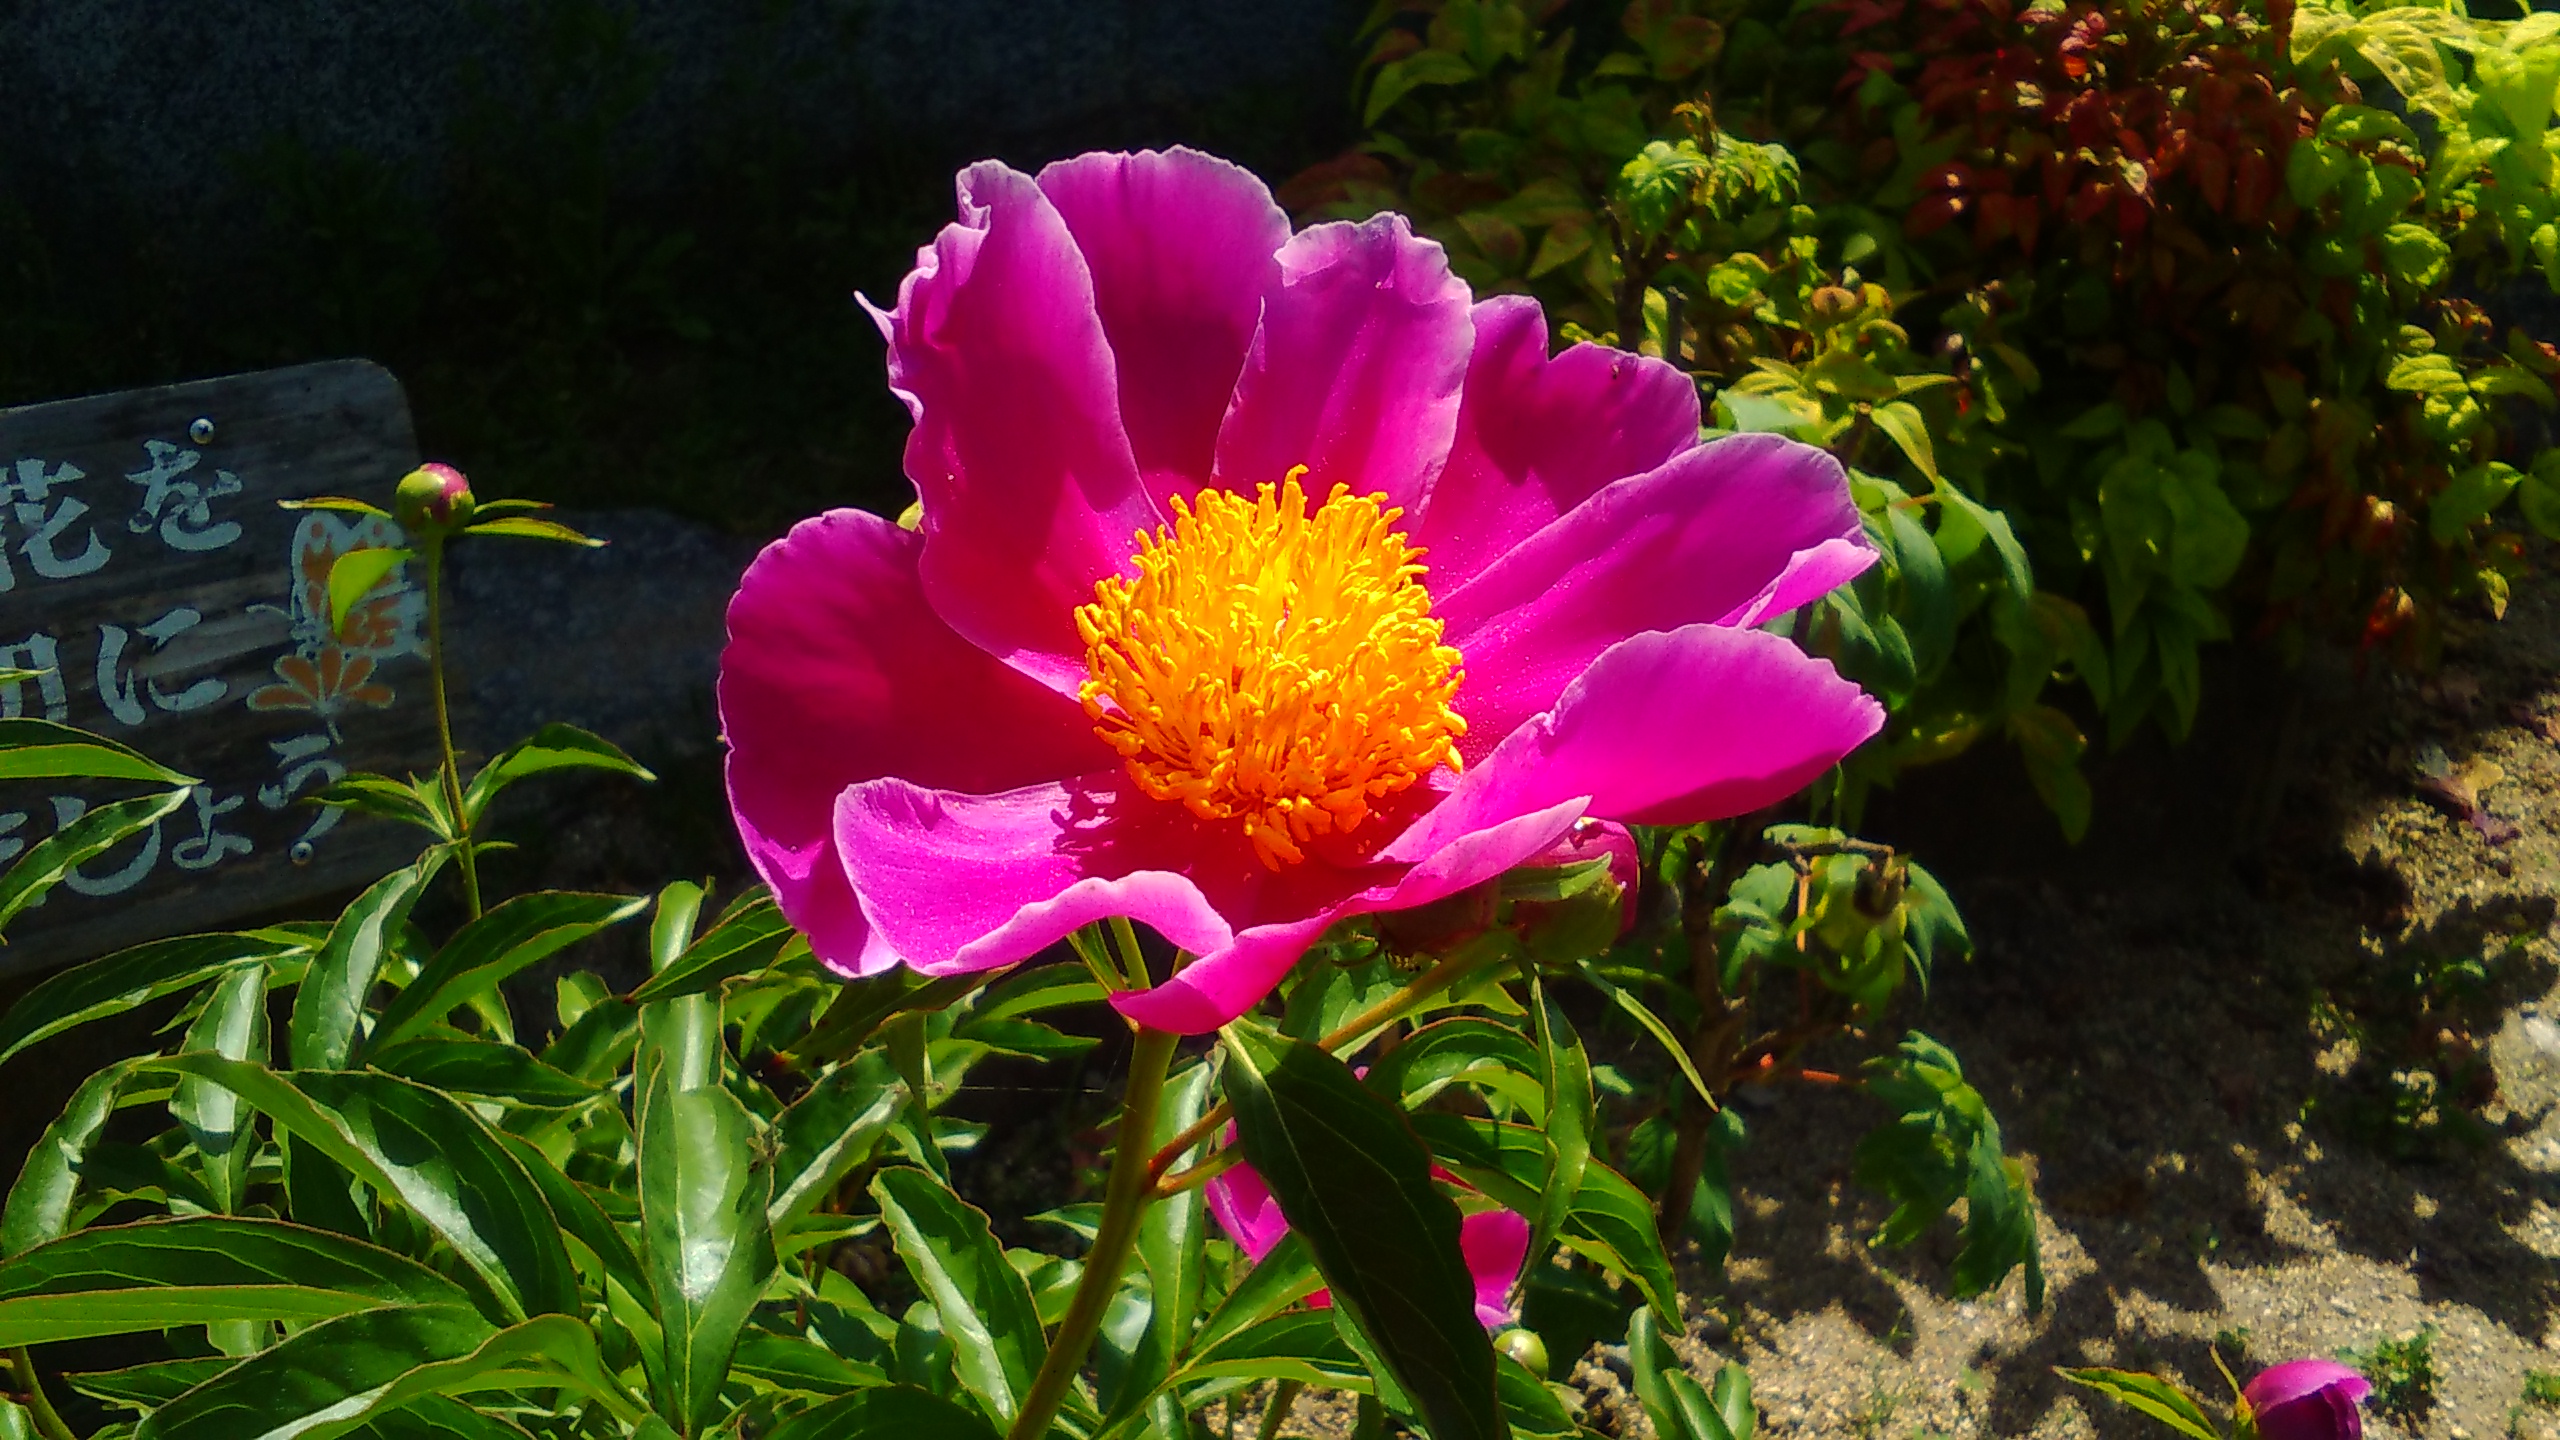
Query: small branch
[(1276, 1414), (1200, 1174), (1454, 966), (48, 1420)]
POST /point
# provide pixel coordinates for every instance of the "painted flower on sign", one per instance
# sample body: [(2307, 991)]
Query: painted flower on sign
[(1263, 580)]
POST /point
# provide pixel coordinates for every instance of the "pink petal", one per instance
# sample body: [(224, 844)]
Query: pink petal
[(1731, 532), (961, 882), (2278, 1384), (1536, 436), (1496, 1244), (1669, 728), (828, 634), (1182, 247), (1246, 1209), (1356, 370), (1226, 982), (1030, 490)]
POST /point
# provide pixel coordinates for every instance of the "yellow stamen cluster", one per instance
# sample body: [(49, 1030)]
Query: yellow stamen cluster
[(1271, 666)]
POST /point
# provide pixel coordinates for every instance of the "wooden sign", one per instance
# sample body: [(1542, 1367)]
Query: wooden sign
[(148, 573)]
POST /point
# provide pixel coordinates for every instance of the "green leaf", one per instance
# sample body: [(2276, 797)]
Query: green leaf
[(1564, 1073), (39, 1206), (528, 528), (425, 1150), (1527, 1404), (830, 1130), (324, 1380), (579, 1216), (890, 1412), (199, 1270), (1671, 1398), (706, 1243), (986, 1308), (334, 502), (1303, 1345), (1283, 1277), (553, 747), (417, 803), (1172, 1251), (2538, 498), (1942, 1145), (2473, 495), (33, 749), (2428, 374), (354, 573), (1469, 1049), (1967, 522), (436, 1417), (1357, 1186), (1643, 1015), (331, 1001), (1612, 1222), (485, 1068), (147, 1387), (521, 932), (2153, 1396), (233, 1025), (1907, 428), (740, 944), (97, 831), (114, 984), (2414, 255)]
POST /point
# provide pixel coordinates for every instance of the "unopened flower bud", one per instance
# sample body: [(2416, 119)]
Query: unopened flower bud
[(1525, 1347), (1831, 304), (432, 499)]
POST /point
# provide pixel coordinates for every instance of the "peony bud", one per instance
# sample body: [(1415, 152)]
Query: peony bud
[(2307, 1400), (433, 499), (1526, 1347), (1598, 859)]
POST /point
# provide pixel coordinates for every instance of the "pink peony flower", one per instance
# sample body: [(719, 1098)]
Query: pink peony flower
[(1495, 1242), (2307, 1400), (1263, 580)]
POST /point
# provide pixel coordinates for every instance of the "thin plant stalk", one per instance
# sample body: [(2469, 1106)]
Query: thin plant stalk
[(1276, 1414), (434, 554), (1124, 1202), (1453, 967), (48, 1420)]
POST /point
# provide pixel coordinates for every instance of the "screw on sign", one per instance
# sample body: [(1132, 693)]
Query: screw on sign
[(152, 590)]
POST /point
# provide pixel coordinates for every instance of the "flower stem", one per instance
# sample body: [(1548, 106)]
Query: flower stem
[(48, 1420), (1453, 967), (1124, 1201), (1276, 1414), (434, 549)]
